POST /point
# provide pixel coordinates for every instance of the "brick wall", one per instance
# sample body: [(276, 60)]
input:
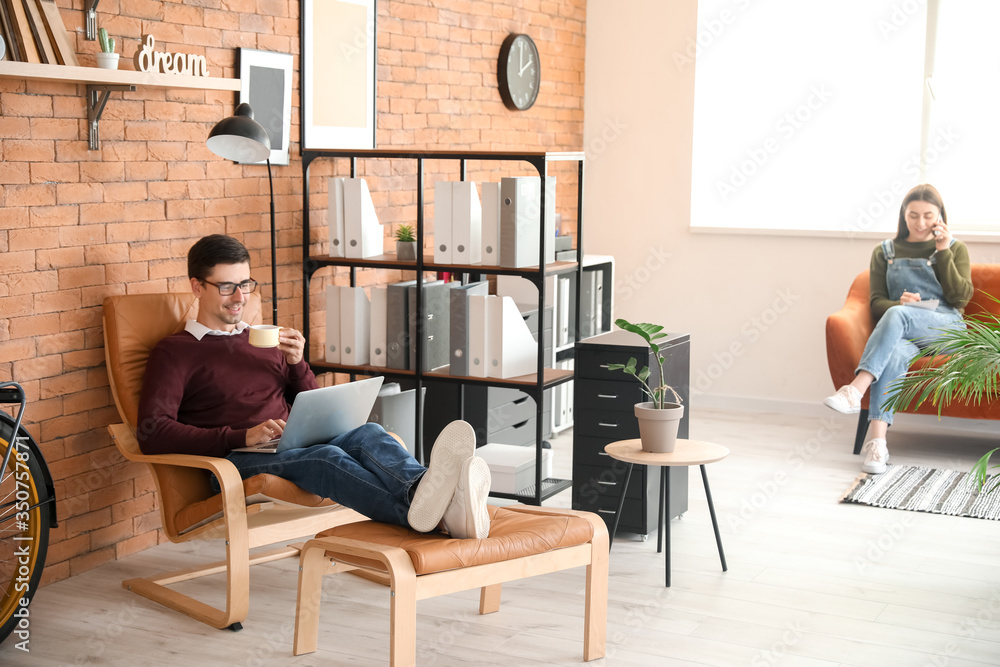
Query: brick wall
[(79, 225)]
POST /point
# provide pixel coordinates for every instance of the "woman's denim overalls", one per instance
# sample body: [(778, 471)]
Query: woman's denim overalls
[(903, 330)]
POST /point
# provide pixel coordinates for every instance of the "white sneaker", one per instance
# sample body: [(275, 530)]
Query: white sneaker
[(876, 456), (847, 400), (467, 516), (454, 446)]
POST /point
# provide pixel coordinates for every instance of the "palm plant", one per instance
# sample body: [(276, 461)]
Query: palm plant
[(970, 373), (650, 333)]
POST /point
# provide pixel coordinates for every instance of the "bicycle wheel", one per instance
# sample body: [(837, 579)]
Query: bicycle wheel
[(24, 530)]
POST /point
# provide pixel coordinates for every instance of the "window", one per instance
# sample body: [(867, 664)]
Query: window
[(818, 117)]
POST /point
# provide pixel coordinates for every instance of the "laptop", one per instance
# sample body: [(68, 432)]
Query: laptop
[(320, 415)]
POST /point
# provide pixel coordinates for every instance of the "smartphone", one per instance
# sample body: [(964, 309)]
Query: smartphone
[(937, 232)]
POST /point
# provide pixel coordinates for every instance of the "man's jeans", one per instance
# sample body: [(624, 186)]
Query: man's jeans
[(891, 347), (365, 469)]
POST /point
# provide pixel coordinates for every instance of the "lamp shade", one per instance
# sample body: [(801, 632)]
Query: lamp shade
[(240, 138)]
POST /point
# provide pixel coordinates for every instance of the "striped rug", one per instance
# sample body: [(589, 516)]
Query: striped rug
[(924, 490)]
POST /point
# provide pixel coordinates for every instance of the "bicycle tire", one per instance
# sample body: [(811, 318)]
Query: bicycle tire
[(25, 513)]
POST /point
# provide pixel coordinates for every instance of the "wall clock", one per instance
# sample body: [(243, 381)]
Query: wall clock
[(519, 72)]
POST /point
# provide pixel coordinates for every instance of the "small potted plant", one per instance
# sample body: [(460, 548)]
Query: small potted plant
[(406, 243), (107, 58), (661, 415)]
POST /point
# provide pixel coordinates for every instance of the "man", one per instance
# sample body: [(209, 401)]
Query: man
[(208, 391)]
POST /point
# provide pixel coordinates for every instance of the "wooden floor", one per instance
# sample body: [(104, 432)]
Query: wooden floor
[(811, 582)]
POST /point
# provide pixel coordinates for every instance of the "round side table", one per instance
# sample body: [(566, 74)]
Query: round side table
[(687, 453)]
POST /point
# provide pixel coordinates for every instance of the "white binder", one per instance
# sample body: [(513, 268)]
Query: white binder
[(361, 225), (479, 329), (490, 254), (442, 222), (335, 215), (379, 303), (563, 310), (333, 324), (355, 326), (466, 223), (520, 208), (512, 349)]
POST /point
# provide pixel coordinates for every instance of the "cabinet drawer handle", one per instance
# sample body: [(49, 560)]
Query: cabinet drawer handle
[(608, 424), (607, 396), (603, 454), (604, 366), (607, 483), (607, 512)]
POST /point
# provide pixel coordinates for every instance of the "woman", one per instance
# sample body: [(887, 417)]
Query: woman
[(921, 266)]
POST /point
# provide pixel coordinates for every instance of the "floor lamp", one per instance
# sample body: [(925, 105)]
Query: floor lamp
[(242, 139)]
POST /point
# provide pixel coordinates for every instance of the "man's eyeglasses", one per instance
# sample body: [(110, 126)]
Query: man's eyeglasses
[(227, 289)]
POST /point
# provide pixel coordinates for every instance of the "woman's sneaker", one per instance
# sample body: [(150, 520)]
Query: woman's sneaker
[(876, 456), (847, 400)]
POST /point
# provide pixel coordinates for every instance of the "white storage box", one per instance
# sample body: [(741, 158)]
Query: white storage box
[(512, 467)]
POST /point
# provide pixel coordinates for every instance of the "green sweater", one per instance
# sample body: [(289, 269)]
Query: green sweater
[(951, 268)]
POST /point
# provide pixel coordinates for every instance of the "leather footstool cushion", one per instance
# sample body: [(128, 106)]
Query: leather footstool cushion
[(514, 533)]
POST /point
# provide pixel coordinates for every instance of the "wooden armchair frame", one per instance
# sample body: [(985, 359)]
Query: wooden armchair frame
[(244, 514)]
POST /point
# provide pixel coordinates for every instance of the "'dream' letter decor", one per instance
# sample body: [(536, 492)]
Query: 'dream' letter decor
[(148, 60)]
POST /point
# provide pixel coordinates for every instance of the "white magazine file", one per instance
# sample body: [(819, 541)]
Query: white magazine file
[(361, 225), (466, 223), (512, 349), (355, 326), (333, 324), (335, 215), (379, 303)]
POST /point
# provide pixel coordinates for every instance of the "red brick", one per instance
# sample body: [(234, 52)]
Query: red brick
[(102, 172), (29, 195), (91, 560), (54, 216), (14, 350), (55, 128), (29, 151), (83, 234), (32, 106), (141, 504), (80, 277), (128, 231), (32, 239), (34, 368), (145, 171), (169, 190), (88, 358), (79, 193), (59, 258), (66, 549), (127, 273), (185, 171), (96, 213), (34, 282), (136, 544), (145, 210), (57, 301), (53, 572), (14, 173), (34, 325), (167, 151), (120, 192), (80, 318)]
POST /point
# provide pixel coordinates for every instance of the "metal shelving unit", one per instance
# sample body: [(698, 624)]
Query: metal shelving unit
[(532, 384)]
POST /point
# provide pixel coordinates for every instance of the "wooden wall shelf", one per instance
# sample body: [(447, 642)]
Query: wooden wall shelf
[(97, 76), (101, 82)]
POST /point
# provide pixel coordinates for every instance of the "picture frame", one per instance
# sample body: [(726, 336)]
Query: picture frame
[(266, 84), (338, 78)]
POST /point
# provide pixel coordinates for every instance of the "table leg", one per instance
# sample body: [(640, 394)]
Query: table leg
[(621, 504), (666, 524), (715, 522), (663, 509)]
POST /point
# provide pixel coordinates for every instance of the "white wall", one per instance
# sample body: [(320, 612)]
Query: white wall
[(755, 305)]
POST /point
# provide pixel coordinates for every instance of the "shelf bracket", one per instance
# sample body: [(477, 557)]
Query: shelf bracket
[(91, 14), (97, 97)]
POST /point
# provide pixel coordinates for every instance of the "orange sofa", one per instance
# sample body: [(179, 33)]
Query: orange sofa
[(848, 330)]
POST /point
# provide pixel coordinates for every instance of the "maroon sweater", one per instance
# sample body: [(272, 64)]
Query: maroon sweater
[(201, 396)]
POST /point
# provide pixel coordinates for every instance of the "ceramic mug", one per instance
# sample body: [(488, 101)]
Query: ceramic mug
[(264, 335)]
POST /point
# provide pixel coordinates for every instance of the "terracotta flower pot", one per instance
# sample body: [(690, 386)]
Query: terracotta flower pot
[(658, 428)]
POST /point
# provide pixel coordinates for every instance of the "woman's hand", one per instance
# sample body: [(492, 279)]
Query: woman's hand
[(292, 344), (909, 297), (269, 430), (942, 235)]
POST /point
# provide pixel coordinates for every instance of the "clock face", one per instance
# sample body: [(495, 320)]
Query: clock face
[(519, 72)]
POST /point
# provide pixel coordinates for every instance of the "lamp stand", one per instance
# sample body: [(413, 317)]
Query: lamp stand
[(274, 252)]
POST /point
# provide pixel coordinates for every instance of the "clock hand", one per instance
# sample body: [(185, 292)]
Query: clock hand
[(524, 67), (521, 54)]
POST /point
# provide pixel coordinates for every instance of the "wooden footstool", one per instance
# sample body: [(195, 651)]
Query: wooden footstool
[(524, 541)]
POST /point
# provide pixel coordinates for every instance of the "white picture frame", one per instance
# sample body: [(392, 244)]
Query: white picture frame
[(338, 78), (266, 84)]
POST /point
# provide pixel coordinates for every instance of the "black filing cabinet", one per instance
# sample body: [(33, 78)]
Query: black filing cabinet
[(603, 405)]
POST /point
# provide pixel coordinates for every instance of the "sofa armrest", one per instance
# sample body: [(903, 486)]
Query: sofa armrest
[(847, 331)]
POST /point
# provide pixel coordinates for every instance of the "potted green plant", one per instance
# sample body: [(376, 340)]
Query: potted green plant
[(107, 58), (406, 243), (660, 416), (969, 372)]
